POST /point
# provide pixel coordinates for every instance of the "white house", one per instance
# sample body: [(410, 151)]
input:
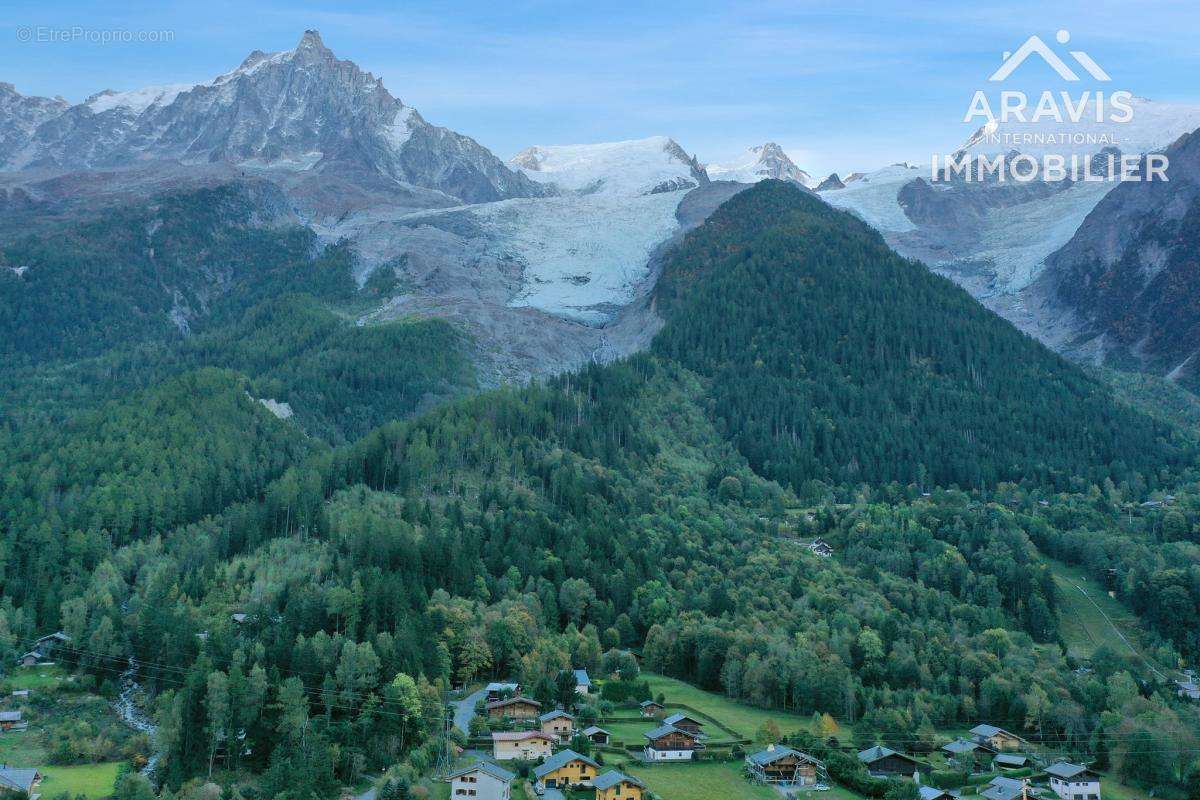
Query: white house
[(583, 684), (482, 780), (1073, 782), (527, 745)]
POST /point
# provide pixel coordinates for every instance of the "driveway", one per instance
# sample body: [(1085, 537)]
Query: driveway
[(464, 710)]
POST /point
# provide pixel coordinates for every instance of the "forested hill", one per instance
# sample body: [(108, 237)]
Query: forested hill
[(831, 358)]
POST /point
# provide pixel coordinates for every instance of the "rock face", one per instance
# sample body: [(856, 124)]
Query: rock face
[(831, 183), (297, 110), (760, 163), (1130, 277)]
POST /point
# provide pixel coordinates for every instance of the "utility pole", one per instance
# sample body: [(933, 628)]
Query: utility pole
[(445, 759)]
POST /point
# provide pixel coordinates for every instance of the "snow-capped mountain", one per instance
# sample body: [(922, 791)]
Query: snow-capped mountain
[(760, 163), (296, 110), (20, 117), (1151, 126), (631, 168)]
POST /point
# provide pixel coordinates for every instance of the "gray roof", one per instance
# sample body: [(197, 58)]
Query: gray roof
[(10, 716), (20, 780), (933, 793), (491, 768), (764, 757), (1002, 789), (593, 729), (663, 730), (561, 759), (496, 686), (612, 778), (555, 714), (645, 703), (990, 730), (877, 752), (675, 719), (1011, 759), (1065, 770), (960, 746), (581, 678)]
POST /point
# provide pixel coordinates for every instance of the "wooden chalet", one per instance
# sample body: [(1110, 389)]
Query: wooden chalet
[(883, 762), (514, 708), (668, 743), (785, 766)]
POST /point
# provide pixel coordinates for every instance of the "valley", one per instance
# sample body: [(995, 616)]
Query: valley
[(321, 422)]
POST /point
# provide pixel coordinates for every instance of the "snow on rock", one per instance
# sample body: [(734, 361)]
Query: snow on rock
[(1152, 127), (760, 163), (630, 168), (582, 256), (137, 100), (873, 197)]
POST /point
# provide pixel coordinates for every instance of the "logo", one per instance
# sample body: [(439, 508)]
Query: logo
[(1035, 46), (1053, 135)]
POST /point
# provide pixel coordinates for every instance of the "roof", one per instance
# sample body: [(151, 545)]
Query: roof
[(933, 793), (959, 746), (991, 730), (594, 729), (1002, 789), (57, 636), (10, 716), (560, 760), (500, 686), (1187, 686), (512, 701), (645, 703), (768, 756), (1066, 770), (675, 719), (21, 780), (488, 767), (581, 678), (872, 754), (518, 736), (1011, 759), (612, 778), (663, 730), (555, 714)]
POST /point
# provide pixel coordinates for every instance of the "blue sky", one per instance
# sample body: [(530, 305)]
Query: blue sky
[(840, 85)]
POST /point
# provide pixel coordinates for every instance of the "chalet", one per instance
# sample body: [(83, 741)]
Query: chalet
[(685, 723), (558, 724), (785, 766), (649, 708), (966, 753), (883, 762), (564, 769), (9, 720), (1010, 761), (933, 793), (47, 644), (668, 743), (499, 690), (583, 684), (482, 780), (239, 618), (1187, 690), (821, 547), (19, 781), (514, 708), (597, 735), (1073, 782), (30, 659), (527, 745), (20, 693), (998, 739), (1002, 788), (614, 785)]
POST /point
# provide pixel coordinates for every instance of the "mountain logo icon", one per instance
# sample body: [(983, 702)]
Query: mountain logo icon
[(1035, 46)]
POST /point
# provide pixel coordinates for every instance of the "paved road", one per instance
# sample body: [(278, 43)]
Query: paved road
[(464, 710)]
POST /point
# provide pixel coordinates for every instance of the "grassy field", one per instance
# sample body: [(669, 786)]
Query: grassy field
[(33, 678), (742, 718), (90, 780), (1089, 617), (714, 781)]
